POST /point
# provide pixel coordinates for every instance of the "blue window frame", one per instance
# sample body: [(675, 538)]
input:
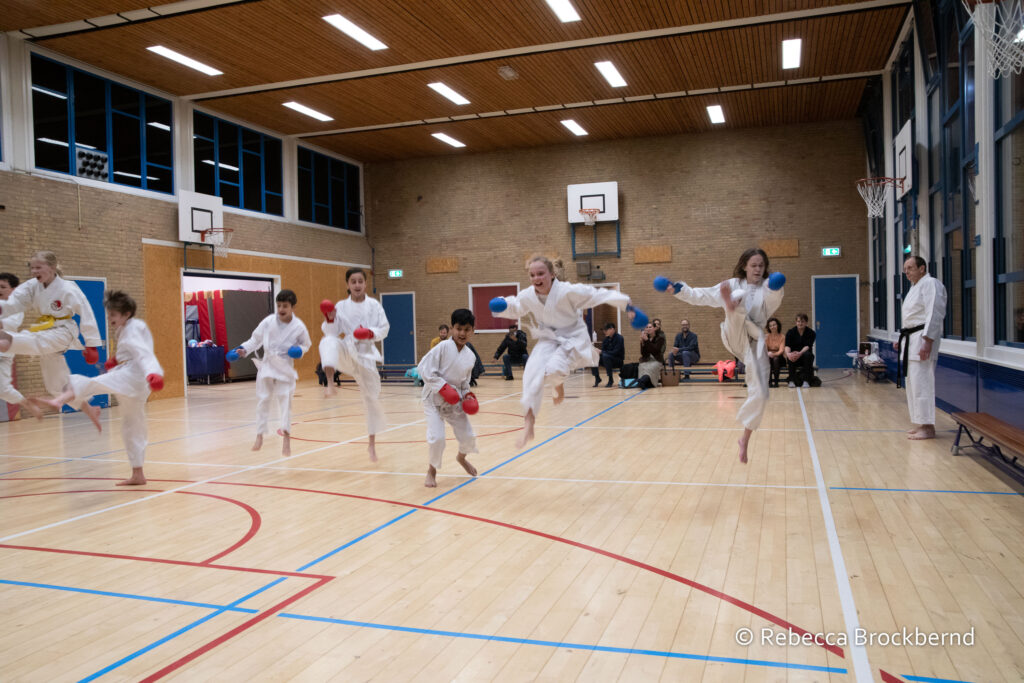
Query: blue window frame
[(905, 218), (91, 127), (329, 191), (1008, 247), (241, 166)]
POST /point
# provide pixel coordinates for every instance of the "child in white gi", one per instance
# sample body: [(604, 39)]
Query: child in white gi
[(130, 376), (563, 343), (446, 371), (11, 323), (283, 337), (749, 299), (351, 328), (56, 300)]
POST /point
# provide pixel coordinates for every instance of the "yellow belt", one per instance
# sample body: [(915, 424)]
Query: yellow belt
[(46, 322)]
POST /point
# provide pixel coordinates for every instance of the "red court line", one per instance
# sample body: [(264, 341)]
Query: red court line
[(400, 412), (56, 493), (254, 525), (889, 678), (381, 443)]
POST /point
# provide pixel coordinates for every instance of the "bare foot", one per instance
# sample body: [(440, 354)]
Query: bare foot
[(431, 480), (93, 413), (5, 341), (258, 443), (40, 403), (559, 394), (372, 448), (330, 390), (926, 432), (743, 450), (726, 293), (466, 465), (137, 478), (33, 408), (913, 429), (286, 445), (527, 435)]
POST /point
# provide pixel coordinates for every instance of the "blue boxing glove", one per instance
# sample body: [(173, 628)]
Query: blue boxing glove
[(295, 351), (662, 283), (775, 281), (498, 304), (232, 355), (640, 319)]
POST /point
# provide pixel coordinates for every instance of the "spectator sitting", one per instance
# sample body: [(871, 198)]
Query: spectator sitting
[(774, 343), (442, 334), (799, 342), (613, 353), (515, 343), (686, 351), (652, 357)]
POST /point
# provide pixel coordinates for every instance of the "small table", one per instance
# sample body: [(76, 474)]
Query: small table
[(204, 362), (873, 372)]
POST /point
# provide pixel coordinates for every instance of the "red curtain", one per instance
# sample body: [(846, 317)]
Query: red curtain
[(220, 326)]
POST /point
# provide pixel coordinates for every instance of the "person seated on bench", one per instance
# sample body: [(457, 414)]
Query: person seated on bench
[(652, 357), (515, 343), (613, 354), (442, 333), (774, 344), (685, 351), (799, 342)]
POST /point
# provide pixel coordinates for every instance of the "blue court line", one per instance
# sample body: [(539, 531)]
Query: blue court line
[(183, 629), (983, 493), (573, 646), (130, 596), (926, 679)]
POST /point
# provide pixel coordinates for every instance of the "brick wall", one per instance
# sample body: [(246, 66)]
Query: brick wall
[(708, 196)]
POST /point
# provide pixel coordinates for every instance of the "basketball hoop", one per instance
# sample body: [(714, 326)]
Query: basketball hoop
[(589, 215), (1001, 27), (218, 238), (872, 190)]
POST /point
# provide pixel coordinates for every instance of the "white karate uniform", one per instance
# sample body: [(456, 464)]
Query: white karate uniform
[(924, 304), (8, 393), (357, 357), (446, 364), (127, 380), (275, 376), (562, 341), (57, 303), (743, 335)]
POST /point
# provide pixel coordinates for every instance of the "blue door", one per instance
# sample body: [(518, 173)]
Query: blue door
[(835, 320), (93, 290), (399, 347)]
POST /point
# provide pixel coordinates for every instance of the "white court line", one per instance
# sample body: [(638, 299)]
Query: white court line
[(136, 501), (858, 654)]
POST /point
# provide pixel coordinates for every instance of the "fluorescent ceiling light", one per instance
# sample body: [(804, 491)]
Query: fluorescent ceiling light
[(134, 175), (302, 109), (447, 138), (225, 166), (157, 124), (352, 31), (715, 114), (448, 92), (564, 10), (53, 142), (576, 128), (791, 53), (48, 92), (611, 74), (182, 59)]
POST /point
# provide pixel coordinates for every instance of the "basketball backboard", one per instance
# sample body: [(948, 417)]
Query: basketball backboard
[(903, 159), (602, 196), (197, 213)]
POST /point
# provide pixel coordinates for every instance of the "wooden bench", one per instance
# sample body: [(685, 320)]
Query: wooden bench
[(1006, 441)]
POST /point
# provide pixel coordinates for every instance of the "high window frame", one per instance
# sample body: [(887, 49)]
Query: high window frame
[(329, 191), (244, 167)]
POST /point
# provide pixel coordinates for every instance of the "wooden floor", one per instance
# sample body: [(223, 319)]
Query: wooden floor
[(628, 543)]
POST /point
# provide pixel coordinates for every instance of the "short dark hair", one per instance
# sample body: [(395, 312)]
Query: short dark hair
[(918, 261), (11, 279), (463, 316), (768, 325), (514, 326), (802, 316), (120, 301), (352, 271), (286, 295), (609, 326), (442, 326)]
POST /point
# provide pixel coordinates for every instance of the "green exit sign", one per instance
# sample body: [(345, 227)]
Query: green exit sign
[(830, 251), (394, 274)]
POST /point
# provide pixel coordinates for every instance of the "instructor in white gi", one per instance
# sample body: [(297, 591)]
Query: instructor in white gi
[(924, 307)]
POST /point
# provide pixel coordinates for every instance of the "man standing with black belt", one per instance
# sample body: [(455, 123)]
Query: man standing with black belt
[(924, 308)]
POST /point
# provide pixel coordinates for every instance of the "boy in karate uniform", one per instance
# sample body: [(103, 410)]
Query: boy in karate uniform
[(446, 371), (283, 337)]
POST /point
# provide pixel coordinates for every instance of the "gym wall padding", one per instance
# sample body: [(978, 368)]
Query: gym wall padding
[(243, 311)]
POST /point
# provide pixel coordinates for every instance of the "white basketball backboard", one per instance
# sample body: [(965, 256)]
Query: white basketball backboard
[(198, 212), (903, 159), (602, 196)]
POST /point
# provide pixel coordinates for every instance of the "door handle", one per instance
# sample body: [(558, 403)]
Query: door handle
[(817, 324)]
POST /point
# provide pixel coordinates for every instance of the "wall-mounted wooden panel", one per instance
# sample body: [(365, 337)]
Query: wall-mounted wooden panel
[(443, 264), (655, 253), (785, 248)]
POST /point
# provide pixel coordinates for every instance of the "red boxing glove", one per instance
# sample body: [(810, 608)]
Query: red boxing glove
[(449, 394), (470, 405), (91, 355), (110, 364), (156, 382), (327, 308), (362, 333)]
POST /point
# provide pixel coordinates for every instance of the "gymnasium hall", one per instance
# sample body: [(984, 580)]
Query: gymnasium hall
[(208, 156)]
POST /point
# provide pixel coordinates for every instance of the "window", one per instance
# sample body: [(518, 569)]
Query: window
[(905, 208), (90, 127), (878, 284), (239, 165), (1008, 249), (329, 191)]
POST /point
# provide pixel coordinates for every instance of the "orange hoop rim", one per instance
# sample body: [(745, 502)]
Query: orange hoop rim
[(590, 212), (223, 231)]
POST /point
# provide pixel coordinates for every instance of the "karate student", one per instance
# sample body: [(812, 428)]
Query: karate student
[(749, 299), (131, 374), (446, 371), (924, 308), (350, 330), (562, 341), (283, 337), (11, 323), (56, 300)]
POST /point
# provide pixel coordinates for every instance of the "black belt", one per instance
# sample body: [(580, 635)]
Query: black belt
[(904, 341)]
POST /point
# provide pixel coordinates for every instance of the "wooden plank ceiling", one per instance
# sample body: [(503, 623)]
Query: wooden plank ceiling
[(674, 56)]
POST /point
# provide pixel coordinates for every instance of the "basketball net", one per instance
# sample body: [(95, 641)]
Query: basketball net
[(872, 190), (219, 239), (1001, 27), (589, 215)]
